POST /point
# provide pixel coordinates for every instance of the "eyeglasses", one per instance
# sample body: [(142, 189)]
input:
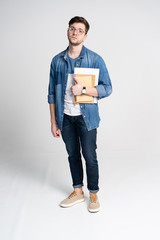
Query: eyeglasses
[(79, 30)]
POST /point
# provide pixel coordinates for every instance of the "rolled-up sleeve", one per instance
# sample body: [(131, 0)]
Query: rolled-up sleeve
[(104, 87), (51, 87)]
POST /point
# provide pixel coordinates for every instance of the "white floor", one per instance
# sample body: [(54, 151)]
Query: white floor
[(32, 185)]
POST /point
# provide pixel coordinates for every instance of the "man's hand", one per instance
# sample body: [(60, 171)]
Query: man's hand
[(77, 89), (55, 130)]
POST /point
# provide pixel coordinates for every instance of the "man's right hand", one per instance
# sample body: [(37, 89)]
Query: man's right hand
[(55, 130)]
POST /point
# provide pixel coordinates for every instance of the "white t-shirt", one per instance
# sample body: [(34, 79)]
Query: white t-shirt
[(69, 107)]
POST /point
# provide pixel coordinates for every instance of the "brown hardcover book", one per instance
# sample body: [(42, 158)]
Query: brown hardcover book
[(87, 80)]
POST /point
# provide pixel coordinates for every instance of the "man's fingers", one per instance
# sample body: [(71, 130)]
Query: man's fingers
[(55, 131), (76, 80), (59, 132), (73, 90), (56, 134)]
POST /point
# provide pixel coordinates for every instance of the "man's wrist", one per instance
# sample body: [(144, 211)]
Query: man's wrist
[(53, 122)]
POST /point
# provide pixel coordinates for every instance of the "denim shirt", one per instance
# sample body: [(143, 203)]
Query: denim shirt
[(58, 82)]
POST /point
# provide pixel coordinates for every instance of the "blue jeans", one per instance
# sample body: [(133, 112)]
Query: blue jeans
[(76, 137)]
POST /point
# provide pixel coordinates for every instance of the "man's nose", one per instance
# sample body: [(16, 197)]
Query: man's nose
[(75, 31)]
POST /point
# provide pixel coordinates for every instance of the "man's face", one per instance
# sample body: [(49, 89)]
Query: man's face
[(76, 34)]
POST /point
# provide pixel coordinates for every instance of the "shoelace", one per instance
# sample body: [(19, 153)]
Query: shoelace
[(72, 194), (93, 201)]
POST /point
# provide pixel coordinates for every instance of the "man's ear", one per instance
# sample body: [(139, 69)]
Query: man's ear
[(85, 36)]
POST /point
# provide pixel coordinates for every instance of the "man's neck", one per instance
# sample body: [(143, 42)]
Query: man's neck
[(74, 51)]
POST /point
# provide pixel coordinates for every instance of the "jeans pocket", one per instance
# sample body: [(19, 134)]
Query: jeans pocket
[(66, 122)]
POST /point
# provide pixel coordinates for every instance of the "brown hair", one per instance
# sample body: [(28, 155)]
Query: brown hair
[(80, 20)]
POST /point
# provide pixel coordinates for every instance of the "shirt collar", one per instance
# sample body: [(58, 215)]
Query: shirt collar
[(81, 54)]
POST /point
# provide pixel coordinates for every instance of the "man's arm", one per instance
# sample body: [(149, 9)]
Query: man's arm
[(104, 87), (77, 90), (51, 100), (92, 92), (54, 127)]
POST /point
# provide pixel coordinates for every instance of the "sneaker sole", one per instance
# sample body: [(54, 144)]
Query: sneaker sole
[(71, 204), (94, 210)]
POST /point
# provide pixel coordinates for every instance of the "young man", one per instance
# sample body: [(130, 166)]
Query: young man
[(77, 123)]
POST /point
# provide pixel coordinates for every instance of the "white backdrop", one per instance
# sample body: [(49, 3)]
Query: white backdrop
[(126, 34)]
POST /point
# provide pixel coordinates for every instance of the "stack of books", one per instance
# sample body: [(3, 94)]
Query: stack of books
[(88, 77)]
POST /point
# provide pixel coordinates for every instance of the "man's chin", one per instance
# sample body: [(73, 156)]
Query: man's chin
[(74, 44)]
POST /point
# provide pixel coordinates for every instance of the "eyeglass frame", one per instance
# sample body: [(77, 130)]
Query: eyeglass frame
[(74, 29)]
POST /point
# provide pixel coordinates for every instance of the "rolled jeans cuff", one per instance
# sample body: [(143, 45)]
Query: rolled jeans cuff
[(78, 186), (93, 191)]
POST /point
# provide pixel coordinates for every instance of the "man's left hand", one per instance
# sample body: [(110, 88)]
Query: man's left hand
[(77, 89)]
